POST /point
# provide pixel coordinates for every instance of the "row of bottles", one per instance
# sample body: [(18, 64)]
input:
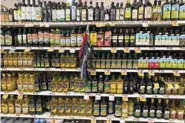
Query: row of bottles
[(113, 84), (71, 106), (39, 60), (132, 83), (35, 10), (99, 37), (41, 37), (137, 37), (145, 60), (22, 105), (77, 106)]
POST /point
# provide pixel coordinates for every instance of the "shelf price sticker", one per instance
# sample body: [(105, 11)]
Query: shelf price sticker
[(28, 25), (20, 96), (177, 86), (72, 50), (145, 25), (137, 50), (125, 98), (47, 24), (109, 120), (150, 121), (92, 72), (50, 49), (126, 50), (151, 73), (140, 73), (27, 49), (122, 120), (86, 97), (142, 98), (176, 73), (41, 24), (97, 97), (111, 98), (107, 72), (5, 95), (174, 23), (93, 120), (124, 72), (113, 50), (100, 25), (112, 24), (61, 50)]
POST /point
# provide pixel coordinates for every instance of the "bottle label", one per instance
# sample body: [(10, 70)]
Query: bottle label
[(139, 39), (73, 12), (121, 16), (15, 15), (94, 86), (68, 11), (137, 113), (107, 39), (84, 14), (78, 15), (8, 39), (68, 41), (117, 14), (175, 11), (28, 14), (158, 40), (33, 13), (73, 40), (128, 13), (52, 39), (54, 15), (19, 15), (19, 38), (118, 110), (25, 108), (24, 41), (159, 113), (88, 109), (140, 12), (79, 39), (35, 38), (62, 15), (38, 14), (96, 109), (148, 12), (100, 86), (152, 113), (106, 17), (112, 14), (41, 37), (182, 12), (18, 108), (2, 40), (23, 14), (166, 11), (110, 107), (103, 110), (57, 39), (165, 40), (182, 40), (46, 37), (61, 108), (107, 87), (102, 14), (4, 108), (90, 14), (97, 14), (93, 38), (134, 14), (167, 114), (62, 41)]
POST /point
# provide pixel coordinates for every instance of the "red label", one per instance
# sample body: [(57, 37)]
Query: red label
[(156, 65), (151, 65)]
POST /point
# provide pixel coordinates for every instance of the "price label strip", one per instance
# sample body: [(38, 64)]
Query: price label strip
[(124, 72), (151, 73), (137, 50), (72, 50), (140, 73), (174, 23), (61, 50), (176, 73), (86, 97), (125, 98), (27, 49), (97, 97), (50, 49), (111, 97)]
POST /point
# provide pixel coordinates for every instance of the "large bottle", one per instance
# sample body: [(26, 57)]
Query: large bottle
[(147, 10), (125, 109), (140, 10), (25, 105), (84, 12), (128, 12), (68, 12), (134, 10), (166, 110), (32, 106), (90, 16), (96, 108), (137, 109), (11, 105), (166, 10), (73, 11), (118, 108), (103, 109), (182, 10), (97, 12), (175, 10), (102, 12)]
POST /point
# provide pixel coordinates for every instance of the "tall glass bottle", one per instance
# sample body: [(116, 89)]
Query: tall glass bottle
[(121, 12), (175, 10), (90, 16), (112, 12), (84, 12), (147, 10), (182, 10), (140, 10), (128, 12), (97, 12), (73, 11), (68, 12), (102, 12), (134, 10), (117, 12), (166, 10)]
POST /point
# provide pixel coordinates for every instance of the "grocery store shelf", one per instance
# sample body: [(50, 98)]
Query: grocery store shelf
[(42, 69), (135, 95), (138, 70), (39, 48), (97, 23), (140, 48), (95, 48), (47, 115)]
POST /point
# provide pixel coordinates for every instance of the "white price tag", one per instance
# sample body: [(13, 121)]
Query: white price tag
[(145, 24), (86, 97), (97, 97), (111, 97), (72, 50), (122, 121)]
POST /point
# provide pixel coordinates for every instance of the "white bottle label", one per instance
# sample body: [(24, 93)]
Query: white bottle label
[(73, 40), (134, 14), (121, 17), (90, 14), (148, 12), (24, 39), (78, 15), (79, 39), (23, 14), (84, 14), (19, 38), (33, 13), (73, 13), (29, 13), (117, 14)]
